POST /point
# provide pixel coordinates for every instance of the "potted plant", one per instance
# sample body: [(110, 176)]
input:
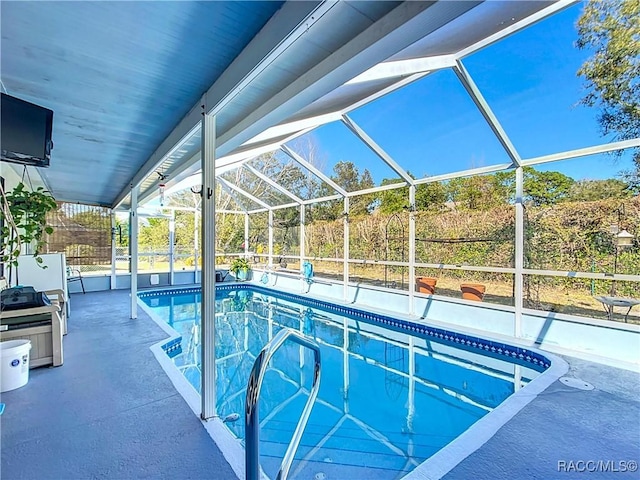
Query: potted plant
[(24, 222), (473, 291), (240, 268), (426, 285)]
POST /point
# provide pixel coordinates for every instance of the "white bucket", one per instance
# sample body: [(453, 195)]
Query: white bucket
[(14, 369)]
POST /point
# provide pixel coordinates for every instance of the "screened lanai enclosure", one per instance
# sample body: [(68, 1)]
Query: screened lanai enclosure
[(457, 146), (446, 166), (445, 162), (457, 156)]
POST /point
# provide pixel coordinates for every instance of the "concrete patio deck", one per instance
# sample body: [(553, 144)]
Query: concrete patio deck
[(111, 412)]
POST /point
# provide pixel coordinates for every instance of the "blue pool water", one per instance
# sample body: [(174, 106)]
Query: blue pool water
[(388, 399)]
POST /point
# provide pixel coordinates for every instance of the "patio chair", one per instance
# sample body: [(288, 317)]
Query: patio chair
[(74, 275)]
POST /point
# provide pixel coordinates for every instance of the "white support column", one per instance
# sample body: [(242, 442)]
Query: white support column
[(196, 244), (246, 234), (412, 248), (270, 238), (114, 251), (302, 236), (345, 252), (207, 322), (133, 242), (172, 241), (519, 254), (517, 377)]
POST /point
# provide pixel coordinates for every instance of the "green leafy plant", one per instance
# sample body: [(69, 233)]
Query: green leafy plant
[(24, 216), (239, 264)]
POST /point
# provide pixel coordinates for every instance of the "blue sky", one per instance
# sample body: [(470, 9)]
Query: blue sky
[(432, 127)]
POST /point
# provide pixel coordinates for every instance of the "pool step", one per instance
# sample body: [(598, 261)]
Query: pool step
[(372, 470), (380, 457)]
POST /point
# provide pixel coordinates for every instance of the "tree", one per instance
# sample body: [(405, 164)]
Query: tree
[(155, 234), (429, 196), (540, 188), (360, 204), (346, 175), (392, 201), (184, 219), (632, 178), (480, 192), (612, 29), (593, 190), (545, 188), (92, 217)]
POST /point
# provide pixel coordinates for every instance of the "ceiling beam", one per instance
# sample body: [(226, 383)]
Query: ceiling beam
[(289, 23), (401, 27), (182, 170), (404, 68), (380, 188), (314, 170), (294, 127), (377, 149), (475, 94), (323, 199), (174, 176), (274, 184), (465, 173), (243, 193), (285, 205), (583, 152)]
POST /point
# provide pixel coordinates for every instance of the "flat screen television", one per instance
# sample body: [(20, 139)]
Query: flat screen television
[(25, 132)]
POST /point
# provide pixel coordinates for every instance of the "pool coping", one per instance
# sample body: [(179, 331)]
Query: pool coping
[(441, 462)]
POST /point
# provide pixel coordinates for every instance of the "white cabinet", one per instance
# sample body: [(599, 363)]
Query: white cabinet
[(54, 277)]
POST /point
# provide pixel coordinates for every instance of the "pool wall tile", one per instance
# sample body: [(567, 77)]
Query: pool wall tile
[(615, 343), (535, 360)]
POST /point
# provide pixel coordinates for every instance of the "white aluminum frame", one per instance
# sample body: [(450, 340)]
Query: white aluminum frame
[(208, 313), (133, 245), (345, 251), (408, 72)]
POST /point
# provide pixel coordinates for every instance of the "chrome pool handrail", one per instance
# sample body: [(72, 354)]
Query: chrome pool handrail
[(252, 421)]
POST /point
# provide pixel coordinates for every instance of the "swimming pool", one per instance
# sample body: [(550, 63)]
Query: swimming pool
[(392, 394)]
